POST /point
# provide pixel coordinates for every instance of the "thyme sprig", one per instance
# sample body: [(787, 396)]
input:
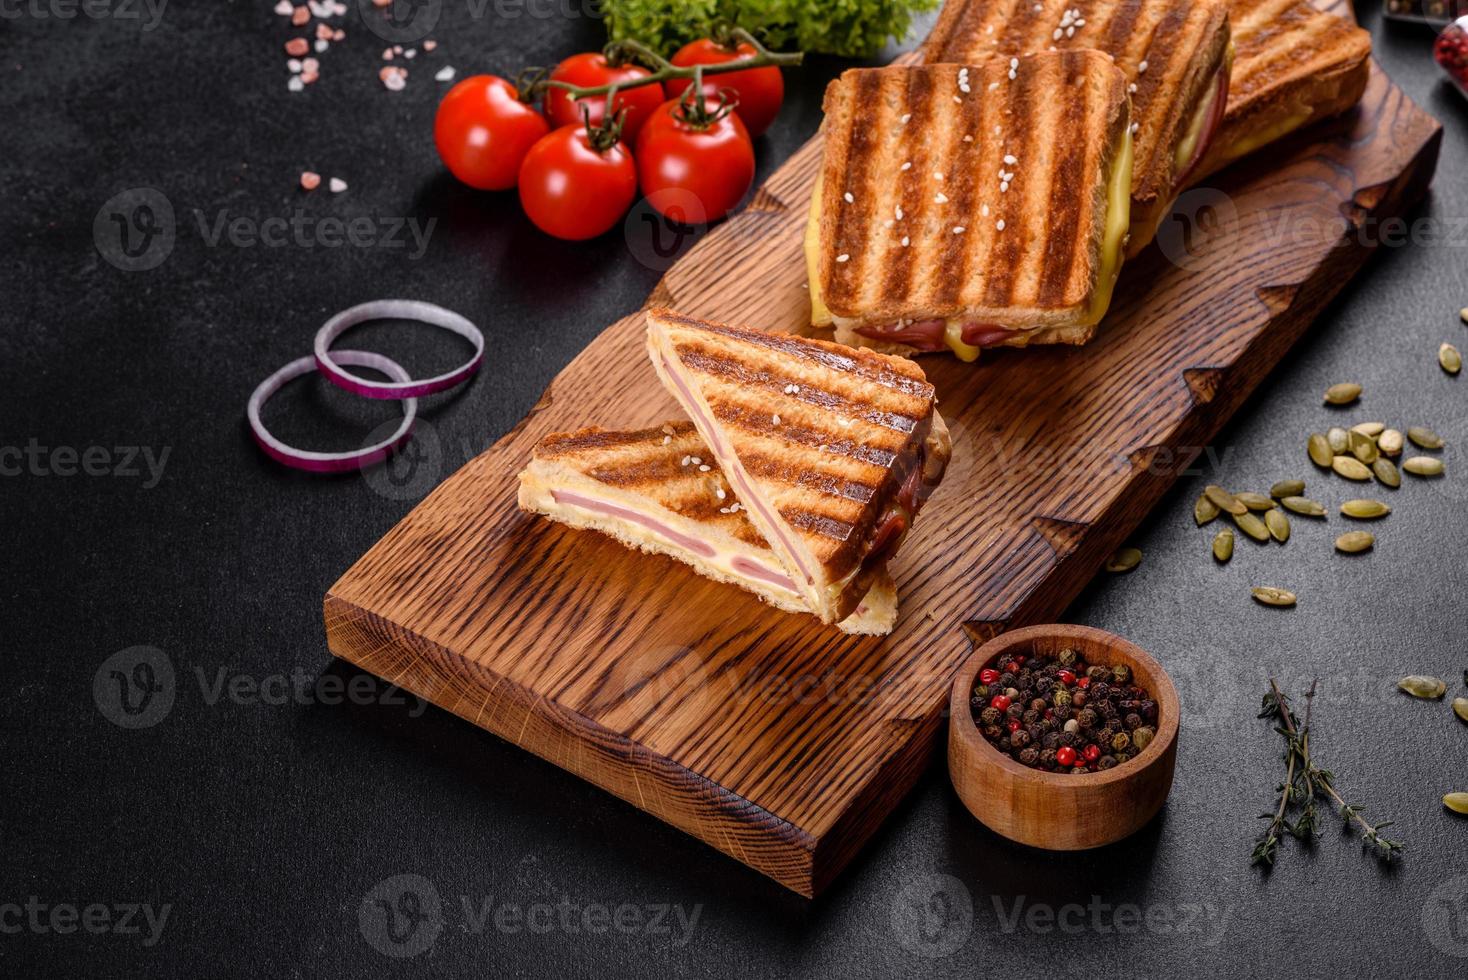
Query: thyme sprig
[(1303, 781)]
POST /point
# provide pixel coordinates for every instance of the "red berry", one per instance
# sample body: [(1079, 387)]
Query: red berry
[(1084, 683), (1014, 724), (1065, 755), (1019, 658), (1066, 677), (1049, 713), (999, 701), (988, 675), (1092, 753)]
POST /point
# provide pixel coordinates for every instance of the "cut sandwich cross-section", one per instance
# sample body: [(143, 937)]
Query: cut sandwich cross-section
[(831, 451), (658, 490), (960, 208)]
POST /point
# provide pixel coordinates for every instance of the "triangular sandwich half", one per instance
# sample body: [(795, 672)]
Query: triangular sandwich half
[(831, 451), (660, 491)]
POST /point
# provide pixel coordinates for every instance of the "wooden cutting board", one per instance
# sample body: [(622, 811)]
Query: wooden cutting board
[(781, 742)]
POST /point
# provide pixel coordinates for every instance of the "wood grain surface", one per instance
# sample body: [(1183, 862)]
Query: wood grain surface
[(782, 742)]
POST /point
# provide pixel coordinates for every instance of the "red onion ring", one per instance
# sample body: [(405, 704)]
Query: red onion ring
[(396, 309), (314, 462)]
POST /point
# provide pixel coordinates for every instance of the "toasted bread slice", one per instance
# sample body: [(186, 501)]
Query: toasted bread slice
[(657, 490), (1174, 54), (948, 216), (1294, 65), (831, 451)]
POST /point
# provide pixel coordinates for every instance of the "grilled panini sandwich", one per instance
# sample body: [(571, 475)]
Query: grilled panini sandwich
[(1294, 65), (1174, 53), (831, 451), (961, 208), (658, 490)]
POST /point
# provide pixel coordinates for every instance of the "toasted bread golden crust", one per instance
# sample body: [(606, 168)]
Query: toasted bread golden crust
[(664, 473), (818, 439), (1293, 65), (919, 165), (1171, 51)]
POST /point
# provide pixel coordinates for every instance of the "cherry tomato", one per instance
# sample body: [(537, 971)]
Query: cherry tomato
[(590, 70), (761, 90), (988, 675), (571, 189), (1065, 755), (483, 132), (713, 161)]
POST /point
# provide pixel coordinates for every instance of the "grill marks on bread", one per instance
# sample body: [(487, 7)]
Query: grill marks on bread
[(819, 431), (1056, 186)]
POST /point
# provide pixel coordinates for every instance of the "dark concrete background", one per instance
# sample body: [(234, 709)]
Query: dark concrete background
[(265, 827)]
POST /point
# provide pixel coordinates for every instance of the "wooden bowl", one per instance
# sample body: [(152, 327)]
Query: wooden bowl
[(1062, 811)]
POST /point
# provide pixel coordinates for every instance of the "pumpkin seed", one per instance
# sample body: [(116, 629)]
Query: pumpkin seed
[(1425, 437), (1271, 596), (1450, 359), (1320, 450), (1124, 560), (1342, 394), (1457, 802), (1278, 524), (1223, 545), (1252, 526), (1339, 439), (1287, 488), (1303, 505), (1354, 542), (1225, 500), (1365, 509), (1204, 510), (1350, 467), (1386, 472), (1423, 466), (1363, 448), (1422, 686), (1460, 708), (1369, 429), (1254, 501), (1390, 442)]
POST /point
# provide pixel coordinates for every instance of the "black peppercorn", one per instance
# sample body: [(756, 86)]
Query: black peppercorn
[(1106, 762), (1061, 698), (1087, 718), (1101, 690), (1108, 710), (1078, 769), (991, 716), (1038, 704), (1121, 674), (1035, 732), (1066, 738), (993, 732), (1019, 738), (1006, 680), (1030, 717), (1061, 712), (1149, 709), (1097, 673), (1120, 741), (1050, 740), (1029, 756), (1079, 699), (1047, 758), (1015, 711), (1124, 756), (1044, 684), (1132, 720)]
